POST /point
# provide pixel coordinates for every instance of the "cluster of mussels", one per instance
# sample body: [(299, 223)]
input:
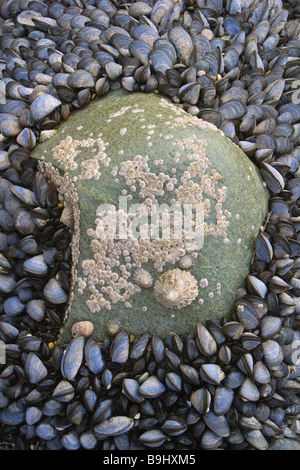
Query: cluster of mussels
[(233, 384)]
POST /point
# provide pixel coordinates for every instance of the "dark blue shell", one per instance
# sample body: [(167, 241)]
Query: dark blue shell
[(72, 358)]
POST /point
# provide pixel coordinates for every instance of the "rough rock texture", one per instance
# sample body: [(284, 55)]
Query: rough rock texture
[(147, 150)]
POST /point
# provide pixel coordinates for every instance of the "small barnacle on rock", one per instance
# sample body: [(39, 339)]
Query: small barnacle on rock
[(176, 288), (186, 262), (82, 328), (142, 278), (113, 327)]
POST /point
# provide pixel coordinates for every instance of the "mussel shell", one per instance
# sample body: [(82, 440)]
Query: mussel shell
[(151, 387), (249, 391), (189, 374), (103, 411), (120, 348), (36, 308), (173, 381), (113, 70), (70, 440), (34, 368), (263, 248), (130, 388), (236, 93), (233, 329), (256, 439), (27, 138), (46, 431), (64, 391), (218, 424), (80, 79), (270, 326), (174, 427), (231, 26), (29, 245), (223, 399), (54, 293), (89, 399), (256, 286), (211, 373), (190, 93), (245, 363), (94, 357), (88, 440), (139, 346), (113, 427), (153, 438), (182, 42), (32, 415), (201, 400), (273, 355), (234, 379), (160, 61), (234, 109), (247, 315), (75, 412), (72, 358), (42, 106), (8, 331), (23, 222), (13, 307), (24, 194), (224, 354), (140, 50), (211, 115), (210, 440), (36, 265), (107, 377), (261, 373), (250, 341), (11, 419), (272, 177)]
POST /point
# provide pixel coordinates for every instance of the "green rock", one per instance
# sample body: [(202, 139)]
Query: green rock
[(147, 150)]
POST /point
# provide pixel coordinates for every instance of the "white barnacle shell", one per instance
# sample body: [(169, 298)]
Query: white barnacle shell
[(113, 327), (186, 262), (142, 278), (82, 328), (176, 288)]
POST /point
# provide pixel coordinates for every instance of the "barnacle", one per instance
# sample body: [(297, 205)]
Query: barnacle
[(176, 288), (113, 327), (186, 262), (142, 278)]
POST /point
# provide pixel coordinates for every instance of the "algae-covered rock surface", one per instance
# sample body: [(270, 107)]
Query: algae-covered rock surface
[(127, 162)]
